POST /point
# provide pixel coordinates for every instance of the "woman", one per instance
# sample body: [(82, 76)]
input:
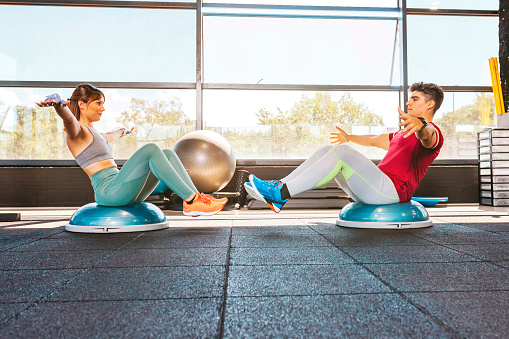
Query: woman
[(134, 182)]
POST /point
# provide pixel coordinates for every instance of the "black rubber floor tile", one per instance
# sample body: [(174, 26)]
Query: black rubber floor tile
[(458, 234), (201, 223), (482, 219), (490, 252), (144, 283), (9, 310), (13, 260), (504, 263), (489, 227), (14, 242), (177, 318), (406, 254), (181, 241), (320, 222), (470, 314), (180, 231), (194, 256), (362, 237), (324, 228), (441, 228), (267, 222), (272, 230), (75, 244), (301, 280), (12, 239), (279, 240), (429, 277), (95, 236), (288, 256), (32, 285), (339, 316)]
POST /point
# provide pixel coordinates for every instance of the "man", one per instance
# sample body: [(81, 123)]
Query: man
[(410, 152)]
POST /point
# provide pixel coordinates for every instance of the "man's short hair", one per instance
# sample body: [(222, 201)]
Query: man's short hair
[(431, 92)]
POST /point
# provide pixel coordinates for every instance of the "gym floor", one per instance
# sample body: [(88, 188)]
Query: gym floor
[(257, 274)]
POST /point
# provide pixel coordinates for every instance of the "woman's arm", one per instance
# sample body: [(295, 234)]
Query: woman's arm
[(71, 124), (112, 136)]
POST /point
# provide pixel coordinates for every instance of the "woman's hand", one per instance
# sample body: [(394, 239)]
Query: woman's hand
[(126, 131), (52, 100), (339, 138)]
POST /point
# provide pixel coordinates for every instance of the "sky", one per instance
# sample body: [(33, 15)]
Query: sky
[(124, 45)]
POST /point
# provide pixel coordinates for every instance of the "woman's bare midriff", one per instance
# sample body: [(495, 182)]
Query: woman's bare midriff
[(99, 166)]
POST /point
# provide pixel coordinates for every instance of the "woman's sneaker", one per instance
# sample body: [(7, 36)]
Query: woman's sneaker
[(202, 205), (221, 200)]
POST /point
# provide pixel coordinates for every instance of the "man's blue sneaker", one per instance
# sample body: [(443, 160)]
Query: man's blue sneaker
[(252, 192), (269, 191)]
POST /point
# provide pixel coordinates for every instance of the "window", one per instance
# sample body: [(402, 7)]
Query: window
[(353, 3), (451, 50), (293, 124), (461, 116), (454, 4), (97, 44), (160, 116), (300, 51)]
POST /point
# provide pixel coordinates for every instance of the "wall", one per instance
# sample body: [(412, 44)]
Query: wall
[(70, 186)]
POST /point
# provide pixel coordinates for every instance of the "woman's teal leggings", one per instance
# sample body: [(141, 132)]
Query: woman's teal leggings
[(139, 177)]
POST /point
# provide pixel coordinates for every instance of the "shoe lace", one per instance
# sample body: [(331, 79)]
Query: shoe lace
[(208, 197), (204, 198), (275, 184)]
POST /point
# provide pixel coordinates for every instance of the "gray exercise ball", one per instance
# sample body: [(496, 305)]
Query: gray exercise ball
[(208, 158)]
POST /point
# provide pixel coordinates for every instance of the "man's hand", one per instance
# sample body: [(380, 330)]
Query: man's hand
[(339, 138), (412, 124)]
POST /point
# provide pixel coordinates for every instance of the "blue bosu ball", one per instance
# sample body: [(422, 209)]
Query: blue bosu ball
[(430, 201), (93, 218), (160, 188), (408, 214)]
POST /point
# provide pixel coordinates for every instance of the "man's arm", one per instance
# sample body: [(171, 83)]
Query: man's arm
[(428, 135), (381, 141)]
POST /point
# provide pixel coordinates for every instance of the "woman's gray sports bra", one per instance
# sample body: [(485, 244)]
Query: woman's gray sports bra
[(99, 149)]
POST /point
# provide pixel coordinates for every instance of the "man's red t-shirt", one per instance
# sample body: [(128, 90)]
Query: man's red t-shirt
[(407, 161)]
